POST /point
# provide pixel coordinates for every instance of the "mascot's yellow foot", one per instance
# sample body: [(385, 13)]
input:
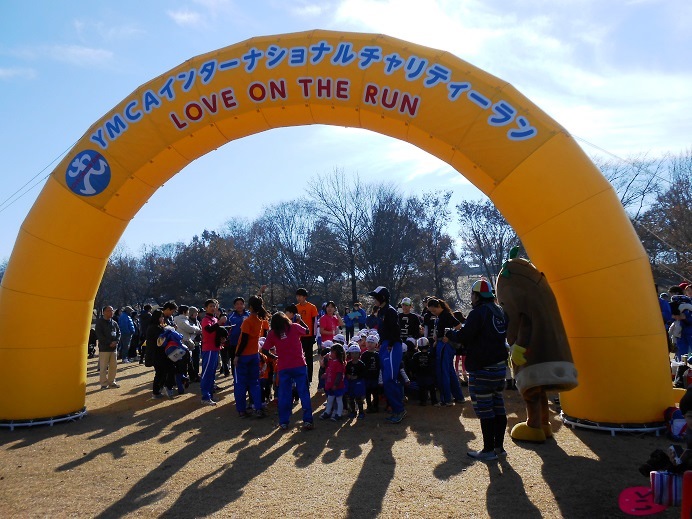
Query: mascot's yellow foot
[(548, 431), (523, 432)]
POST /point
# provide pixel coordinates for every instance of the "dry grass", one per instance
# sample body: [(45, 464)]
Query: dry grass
[(134, 456)]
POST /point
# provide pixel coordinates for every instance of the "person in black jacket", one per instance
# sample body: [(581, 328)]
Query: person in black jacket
[(164, 368), (483, 339), (391, 353)]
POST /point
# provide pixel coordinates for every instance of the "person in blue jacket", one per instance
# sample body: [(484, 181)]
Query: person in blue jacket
[(235, 319), (127, 330), (391, 353), (363, 315)]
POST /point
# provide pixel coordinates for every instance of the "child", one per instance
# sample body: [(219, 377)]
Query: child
[(371, 360), (177, 352), (334, 384), (323, 352), (423, 366), (359, 339), (266, 375), (355, 379), (330, 322)]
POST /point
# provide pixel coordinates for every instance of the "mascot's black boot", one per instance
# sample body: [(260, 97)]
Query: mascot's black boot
[(499, 426)]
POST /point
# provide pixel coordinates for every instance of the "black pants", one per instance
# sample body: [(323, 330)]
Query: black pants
[(426, 386), (372, 395), (226, 361), (194, 363), (164, 375), (308, 343)]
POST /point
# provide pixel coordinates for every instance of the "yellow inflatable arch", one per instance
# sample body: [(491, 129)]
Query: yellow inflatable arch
[(565, 212)]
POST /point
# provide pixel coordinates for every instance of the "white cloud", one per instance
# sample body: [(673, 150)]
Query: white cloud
[(570, 59), (77, 54), (308, 9), (185, 17), (21, 73)]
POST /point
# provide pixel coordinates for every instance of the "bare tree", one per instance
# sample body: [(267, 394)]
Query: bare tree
[(666, 227), (486, 236), (636, 181), (391, 244), (3, 268), (436, 262), (341, 201)]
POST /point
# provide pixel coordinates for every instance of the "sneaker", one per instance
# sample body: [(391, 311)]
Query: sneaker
[(114, 384), (209, 402), (104, 387), (126, 360), (283, 426), (501, 452), (336, 418), (352, 415), (157, 395), (259, 413), (396, 418), (438, 404), (325, 416), (459, 401), (244, 414), (449, 404), (482, 455), (361, 416), (170, 393), (308, 426)]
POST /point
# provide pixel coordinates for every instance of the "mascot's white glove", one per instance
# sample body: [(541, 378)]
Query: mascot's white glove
[(517, 354)]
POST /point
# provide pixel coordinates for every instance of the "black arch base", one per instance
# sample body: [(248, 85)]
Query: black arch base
[(612, 428), (70, 417)]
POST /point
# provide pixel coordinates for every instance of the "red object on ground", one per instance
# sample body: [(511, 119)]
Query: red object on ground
[(639, 501)]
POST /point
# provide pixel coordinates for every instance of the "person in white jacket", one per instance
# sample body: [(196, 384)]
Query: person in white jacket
[(189, 328)]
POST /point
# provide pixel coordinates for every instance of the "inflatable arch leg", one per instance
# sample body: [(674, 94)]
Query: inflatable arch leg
[(565, 212)]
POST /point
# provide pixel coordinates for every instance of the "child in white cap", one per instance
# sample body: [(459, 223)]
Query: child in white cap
[(355, 380), (371, 359)]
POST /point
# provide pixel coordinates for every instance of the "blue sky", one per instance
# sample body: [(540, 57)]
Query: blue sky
[(616, 74)]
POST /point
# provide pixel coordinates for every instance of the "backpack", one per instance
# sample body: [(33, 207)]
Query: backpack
[(172, 343), (221, 336), (676, 425)]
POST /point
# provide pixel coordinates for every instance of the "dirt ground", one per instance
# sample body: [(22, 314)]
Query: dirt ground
[(133, 456)]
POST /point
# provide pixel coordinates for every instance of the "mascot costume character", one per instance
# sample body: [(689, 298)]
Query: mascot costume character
[(540, 353)]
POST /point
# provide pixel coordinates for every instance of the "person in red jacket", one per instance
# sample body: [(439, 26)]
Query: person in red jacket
[(210, 349)]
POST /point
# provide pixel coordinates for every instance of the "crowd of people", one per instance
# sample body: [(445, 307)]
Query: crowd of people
[(367, 362), (676, 310)]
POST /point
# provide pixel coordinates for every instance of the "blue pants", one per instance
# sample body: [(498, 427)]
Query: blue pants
[(684, 345), (124, 345), (247, 379), (209, 361), (286, 379), (447, 379), (390, 362)]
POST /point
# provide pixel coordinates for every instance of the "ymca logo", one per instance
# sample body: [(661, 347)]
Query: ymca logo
[(88, 173)]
